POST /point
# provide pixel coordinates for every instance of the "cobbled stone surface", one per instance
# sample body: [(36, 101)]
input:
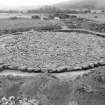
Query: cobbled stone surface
[(51, 50)]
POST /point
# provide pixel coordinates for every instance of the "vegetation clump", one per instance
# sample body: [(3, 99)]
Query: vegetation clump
[(18, 101)]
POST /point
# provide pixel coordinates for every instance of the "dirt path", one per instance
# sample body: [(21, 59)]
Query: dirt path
[(17, 73), (80, 30), (65, 75), (71, 75)]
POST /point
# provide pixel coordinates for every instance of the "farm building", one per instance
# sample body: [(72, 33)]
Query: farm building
[(35, 17), (96, 11), (23, 16), (61, 16), (56, 18), (44, 17), (92, 11)]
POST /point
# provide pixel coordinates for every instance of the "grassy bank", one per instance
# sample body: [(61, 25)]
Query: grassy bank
[(21, 25)]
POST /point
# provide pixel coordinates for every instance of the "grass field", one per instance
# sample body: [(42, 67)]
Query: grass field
[(100, 17), (20, 25), (26, 24)]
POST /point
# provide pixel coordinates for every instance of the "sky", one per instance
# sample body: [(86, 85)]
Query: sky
[(22, 3)]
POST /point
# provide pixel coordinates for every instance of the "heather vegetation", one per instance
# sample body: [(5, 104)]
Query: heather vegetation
[(42, 89), (18, 101), (90, 88), (47, 89)]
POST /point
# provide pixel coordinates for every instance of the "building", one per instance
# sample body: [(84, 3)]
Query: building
[(56, 18), (44, 17)]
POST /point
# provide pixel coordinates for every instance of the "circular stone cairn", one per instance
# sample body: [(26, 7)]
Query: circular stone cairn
[(51, 51)]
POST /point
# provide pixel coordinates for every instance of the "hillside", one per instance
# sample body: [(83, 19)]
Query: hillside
[(45, 9), (90, 4)]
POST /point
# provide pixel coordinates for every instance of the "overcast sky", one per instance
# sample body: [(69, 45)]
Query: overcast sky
[(20, 3)]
